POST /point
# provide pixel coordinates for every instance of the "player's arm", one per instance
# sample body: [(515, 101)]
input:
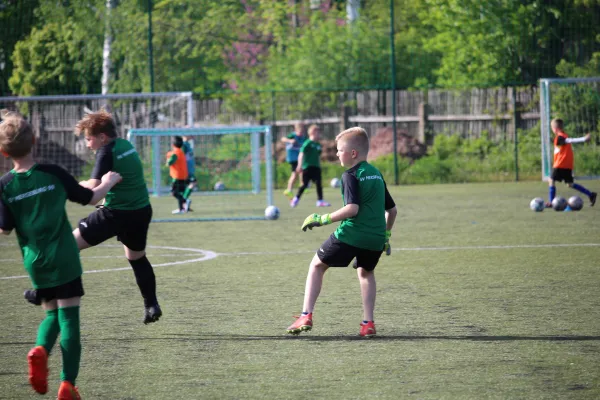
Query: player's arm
[(300, 160), (172, 159), (104, 164), (7, 222), (390, 217), (582, 139), (390, 210), (80, 194), (352, 199)]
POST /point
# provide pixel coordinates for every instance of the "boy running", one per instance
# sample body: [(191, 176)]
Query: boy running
[(367, 219), (32, 202), (309, 165), (179, 174), (563, 162)]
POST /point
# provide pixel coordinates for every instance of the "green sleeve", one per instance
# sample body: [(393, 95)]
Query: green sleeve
[(291, 135), (172, 159), (304, 145)]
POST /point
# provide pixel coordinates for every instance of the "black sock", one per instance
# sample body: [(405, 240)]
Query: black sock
[(144, 276)]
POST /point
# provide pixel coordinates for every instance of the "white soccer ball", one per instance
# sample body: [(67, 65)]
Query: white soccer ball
[(335, 183), (559, 203), (537, 204), (271, 212), (575, 202), (219, 186)]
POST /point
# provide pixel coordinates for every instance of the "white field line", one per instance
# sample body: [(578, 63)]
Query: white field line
[(209, 255)]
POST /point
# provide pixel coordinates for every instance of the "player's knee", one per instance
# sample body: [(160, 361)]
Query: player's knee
[(133, 255)]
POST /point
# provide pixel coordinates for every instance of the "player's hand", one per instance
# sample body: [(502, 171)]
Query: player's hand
[(386, 247), (315, 220), (587, 137), (298, 170), (112, 178)]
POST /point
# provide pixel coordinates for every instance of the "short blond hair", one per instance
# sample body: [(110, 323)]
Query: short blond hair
[(16, 135), (558, 123), (356, 138), (312, 128)]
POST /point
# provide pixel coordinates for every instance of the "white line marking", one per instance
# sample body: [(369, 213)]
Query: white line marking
[(209, 255), (445, 248), (206, 255)]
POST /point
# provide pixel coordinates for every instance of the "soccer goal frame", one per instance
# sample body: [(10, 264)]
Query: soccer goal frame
[(256, 133), (548, 111)]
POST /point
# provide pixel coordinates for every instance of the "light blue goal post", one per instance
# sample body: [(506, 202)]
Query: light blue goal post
[(232, 167), (577, 102)]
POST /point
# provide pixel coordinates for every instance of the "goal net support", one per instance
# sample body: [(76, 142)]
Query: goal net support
[(577, 102), (53, 119), (232, 165)]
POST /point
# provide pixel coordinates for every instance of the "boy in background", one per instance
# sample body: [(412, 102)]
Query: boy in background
[(188, 150), (309, 164), (293, 144), (562, 169), (179, 173), (367, 217), (32, 202)]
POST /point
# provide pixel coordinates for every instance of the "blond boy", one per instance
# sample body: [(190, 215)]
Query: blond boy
[(367, 218)]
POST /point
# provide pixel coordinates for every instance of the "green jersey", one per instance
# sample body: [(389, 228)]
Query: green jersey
[(312, 154), (33, 203), (120, 156), (364, 186)]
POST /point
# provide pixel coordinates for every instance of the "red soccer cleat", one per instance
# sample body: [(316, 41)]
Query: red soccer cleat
[(38, 369), (68, 392), (303, 323), (368, 329)]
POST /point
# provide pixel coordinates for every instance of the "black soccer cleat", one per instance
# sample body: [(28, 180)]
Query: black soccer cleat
[(593, 198), (31, 295), (152, 314)]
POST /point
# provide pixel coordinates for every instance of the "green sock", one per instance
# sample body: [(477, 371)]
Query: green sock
[(70, 342), (48, 330), (187, 192)]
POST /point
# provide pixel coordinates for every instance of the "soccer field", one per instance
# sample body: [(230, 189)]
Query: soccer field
[(481, 298)]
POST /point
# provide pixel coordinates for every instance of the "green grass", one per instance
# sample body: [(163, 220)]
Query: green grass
[(458, 315)]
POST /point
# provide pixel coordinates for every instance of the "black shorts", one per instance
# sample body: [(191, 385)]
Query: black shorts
[(129, 226), (336, 253), (65, 291), (178, 186), (311, 174), (191, 179), (562, 175), (294, 165)]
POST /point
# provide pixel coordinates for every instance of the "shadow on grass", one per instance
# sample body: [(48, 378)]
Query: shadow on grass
[(342, 338), (316, 338)]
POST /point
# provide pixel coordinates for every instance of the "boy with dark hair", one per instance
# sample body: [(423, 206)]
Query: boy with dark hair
[(126, 212), (179, 173), (32, 202), (367, 217), (562, 168)]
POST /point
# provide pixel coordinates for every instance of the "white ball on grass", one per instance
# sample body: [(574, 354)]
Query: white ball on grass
[(271, 213)]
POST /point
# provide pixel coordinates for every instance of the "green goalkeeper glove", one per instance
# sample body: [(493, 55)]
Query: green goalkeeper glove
[(386, 247), (315, 220)]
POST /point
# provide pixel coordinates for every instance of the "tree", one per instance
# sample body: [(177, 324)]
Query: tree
[(16, 21)]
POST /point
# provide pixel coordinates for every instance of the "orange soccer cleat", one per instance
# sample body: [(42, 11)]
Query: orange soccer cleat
[(368, 329), (303, 323), (68, 392), (38, 369)]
